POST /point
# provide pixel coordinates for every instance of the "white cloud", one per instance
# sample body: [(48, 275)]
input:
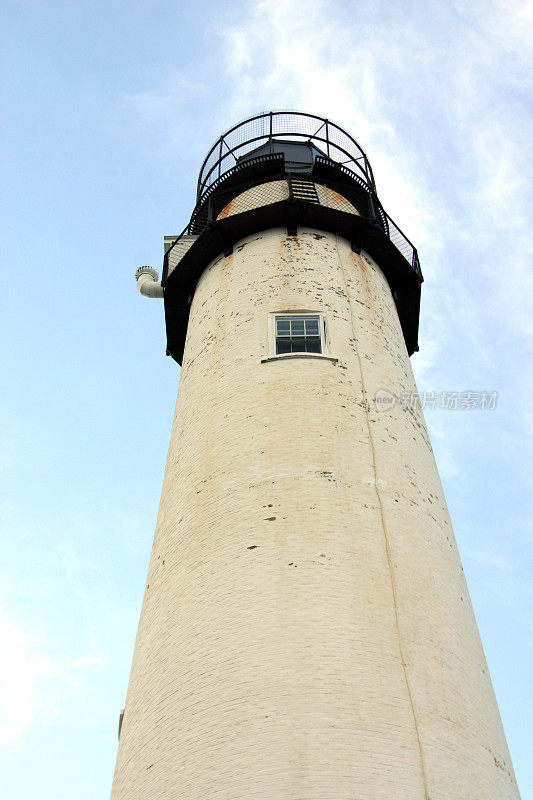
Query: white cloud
[(88, 661), (29, 690), (525, 11)]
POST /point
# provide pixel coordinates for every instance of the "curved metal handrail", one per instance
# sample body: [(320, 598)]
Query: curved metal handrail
[(356, 191), (266, 127)]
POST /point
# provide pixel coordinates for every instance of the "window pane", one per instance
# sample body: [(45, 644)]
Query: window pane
[(297, 327), (313, 345), (283, 325), (311, 327), (298, 344), (283, 346)]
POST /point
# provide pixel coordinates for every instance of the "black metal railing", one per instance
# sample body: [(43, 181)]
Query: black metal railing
[(295, 126), (277, 188)]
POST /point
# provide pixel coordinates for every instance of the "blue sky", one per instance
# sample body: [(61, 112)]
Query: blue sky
[(109, 108)]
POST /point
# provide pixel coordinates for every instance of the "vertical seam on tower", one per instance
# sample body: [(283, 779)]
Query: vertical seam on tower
[(383, 523)]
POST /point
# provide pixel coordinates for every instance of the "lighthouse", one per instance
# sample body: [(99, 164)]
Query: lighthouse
[(306, 631)]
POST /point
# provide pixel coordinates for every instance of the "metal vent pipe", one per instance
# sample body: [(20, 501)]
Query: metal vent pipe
[(147, 282)]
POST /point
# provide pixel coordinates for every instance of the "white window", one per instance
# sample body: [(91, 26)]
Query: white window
[(299, 332)]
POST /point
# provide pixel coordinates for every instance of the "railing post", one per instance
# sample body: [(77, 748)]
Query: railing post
[(291, 210), (220, 158), (371, 206), (327, 137)]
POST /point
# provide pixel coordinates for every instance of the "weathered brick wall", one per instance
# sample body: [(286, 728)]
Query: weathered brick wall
[(306, 631)]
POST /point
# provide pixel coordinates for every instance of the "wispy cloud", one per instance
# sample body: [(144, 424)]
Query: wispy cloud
[(31, 679)]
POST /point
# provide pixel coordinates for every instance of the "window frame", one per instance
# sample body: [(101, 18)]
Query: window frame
[(322, 329)]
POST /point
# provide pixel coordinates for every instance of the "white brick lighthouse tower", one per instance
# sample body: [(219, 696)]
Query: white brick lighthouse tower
[(306, 631)]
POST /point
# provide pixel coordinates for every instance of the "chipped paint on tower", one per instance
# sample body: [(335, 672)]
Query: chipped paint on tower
[(306, 631)]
